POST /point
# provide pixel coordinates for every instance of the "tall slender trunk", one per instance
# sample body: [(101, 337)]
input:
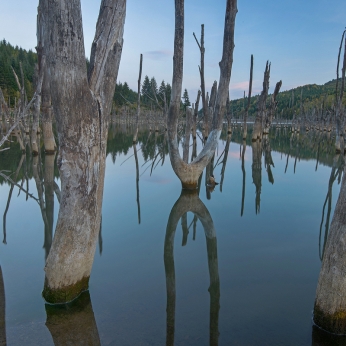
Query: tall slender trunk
[(246, 113), (82, 104), (138, 99)]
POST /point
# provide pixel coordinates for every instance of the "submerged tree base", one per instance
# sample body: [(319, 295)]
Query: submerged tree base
[(65, 294), (334, 323)]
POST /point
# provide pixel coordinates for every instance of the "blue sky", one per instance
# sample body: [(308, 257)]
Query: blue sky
[(300, 38)]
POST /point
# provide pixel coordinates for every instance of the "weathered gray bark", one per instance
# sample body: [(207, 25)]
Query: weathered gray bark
[(189, 201), (188, 127), (74, 323), (201, 72), (82, 104), (195, 116), (330, 303), (246, 113), (46, 102), (261, 106), (189, 173)]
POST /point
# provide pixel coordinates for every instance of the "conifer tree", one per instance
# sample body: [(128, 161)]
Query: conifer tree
[(186, 100)]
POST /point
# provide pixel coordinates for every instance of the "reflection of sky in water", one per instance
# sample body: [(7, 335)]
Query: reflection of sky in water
[(268, 263)]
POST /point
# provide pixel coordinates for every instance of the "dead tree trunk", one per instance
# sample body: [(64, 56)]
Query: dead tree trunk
[(246, 113), (82, 104), (201, 72), (261, 106), (46, 102), (138, 99), (189, 173)]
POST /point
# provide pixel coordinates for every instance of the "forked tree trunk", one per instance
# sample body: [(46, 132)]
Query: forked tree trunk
[(189, 173), (82, 104)]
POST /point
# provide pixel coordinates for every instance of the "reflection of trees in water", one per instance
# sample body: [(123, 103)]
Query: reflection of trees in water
[(336, 173), (257, 172), (2, 311), (189, 201), (73, 323)]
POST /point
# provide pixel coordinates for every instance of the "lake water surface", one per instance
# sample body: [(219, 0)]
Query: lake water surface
[(244, 272)]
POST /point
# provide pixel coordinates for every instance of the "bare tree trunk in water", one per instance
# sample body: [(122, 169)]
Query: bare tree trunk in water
[(224, 161), (261, 106), (201, 72), (189, 201), (246, 113), (330, 302), (46, 101), (189, 173), (138, 99), (82, 104), (74, 323)]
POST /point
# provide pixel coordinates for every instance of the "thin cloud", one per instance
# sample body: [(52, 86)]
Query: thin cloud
[(159, 54)]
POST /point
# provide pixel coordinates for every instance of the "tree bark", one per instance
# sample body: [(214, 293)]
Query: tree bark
[(189, 173), (82, 104)]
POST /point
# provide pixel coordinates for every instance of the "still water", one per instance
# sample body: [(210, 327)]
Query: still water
[(240, 269)]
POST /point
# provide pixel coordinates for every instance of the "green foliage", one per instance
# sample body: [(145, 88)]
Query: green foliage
[(122, 92), (12, 56), (186, 100)]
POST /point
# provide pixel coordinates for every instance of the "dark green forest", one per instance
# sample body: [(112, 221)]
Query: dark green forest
[(289, 102)]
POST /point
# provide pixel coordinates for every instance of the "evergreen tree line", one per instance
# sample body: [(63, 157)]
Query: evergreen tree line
[(12, 56), (289, 102)]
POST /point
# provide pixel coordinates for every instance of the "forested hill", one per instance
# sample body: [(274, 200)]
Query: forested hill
[(312, 95)]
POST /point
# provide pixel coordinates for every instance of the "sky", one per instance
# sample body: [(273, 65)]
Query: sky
[(299, 37)]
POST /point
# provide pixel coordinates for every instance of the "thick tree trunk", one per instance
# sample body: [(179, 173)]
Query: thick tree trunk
[(82, 105), (189, 173)]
